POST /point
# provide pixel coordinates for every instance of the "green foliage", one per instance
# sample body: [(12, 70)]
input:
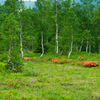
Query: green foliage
[(46, 80), (3, 57), (76, 22), (29, 73), (10, 37), (16, 63), (2, 67)]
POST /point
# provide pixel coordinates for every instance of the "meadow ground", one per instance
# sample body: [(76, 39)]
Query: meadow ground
[(44, 80)]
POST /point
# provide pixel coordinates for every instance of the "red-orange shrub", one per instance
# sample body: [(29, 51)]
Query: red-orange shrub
[(34, 58), (79, 62), (27, 58), (44, 59), (81, 58), (90, 63)]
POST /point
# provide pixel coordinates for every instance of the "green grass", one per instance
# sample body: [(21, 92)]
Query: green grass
[(44, 80)]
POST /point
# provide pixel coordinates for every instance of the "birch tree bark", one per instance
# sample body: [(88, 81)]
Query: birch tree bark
[(71, 48), (21, 36), (42, 44), (87, 46), (56, 29), (42, 36), (21, 41)]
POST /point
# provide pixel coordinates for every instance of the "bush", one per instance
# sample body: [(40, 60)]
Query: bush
[(81, 58), (90, 63), (16, 62), (60, 60)]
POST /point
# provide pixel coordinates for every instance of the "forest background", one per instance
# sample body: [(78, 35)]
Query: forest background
[(51, 26)]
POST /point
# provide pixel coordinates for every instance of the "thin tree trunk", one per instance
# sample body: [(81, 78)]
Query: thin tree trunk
[(42, 44), (71, 48), (99, 47), (76, 47), (21, 41), (81, 46), (87, 46), (42, 36), (62, 51), (56, 30), (21, 38), (9, 52)]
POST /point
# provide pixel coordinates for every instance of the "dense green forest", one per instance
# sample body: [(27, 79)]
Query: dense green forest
[(52, 26), (51, 51)]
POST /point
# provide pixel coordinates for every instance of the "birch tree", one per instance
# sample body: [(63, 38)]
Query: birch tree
[(56, 29), (42, 23)]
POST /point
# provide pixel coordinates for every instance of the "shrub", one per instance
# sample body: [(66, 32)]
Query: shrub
[(55, 60), (79, 62), (34, 58), (30, 58), (27, 58), (90, 63), (60, 60), (44, 59), (81, 58), (15, 64), (13, 83)]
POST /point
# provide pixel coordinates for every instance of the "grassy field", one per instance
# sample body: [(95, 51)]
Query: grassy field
[(44, 80)]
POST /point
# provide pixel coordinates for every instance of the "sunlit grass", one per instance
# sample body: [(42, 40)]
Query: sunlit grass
[(44, 80)]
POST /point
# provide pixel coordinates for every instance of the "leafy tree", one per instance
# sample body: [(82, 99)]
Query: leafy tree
[(96, 21), (10, 39)]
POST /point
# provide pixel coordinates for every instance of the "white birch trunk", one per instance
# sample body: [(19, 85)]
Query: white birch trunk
[(56, 30), (71, 48), (42, 44), (81, 46), (21, 37), (21, 41), (87, 46)]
